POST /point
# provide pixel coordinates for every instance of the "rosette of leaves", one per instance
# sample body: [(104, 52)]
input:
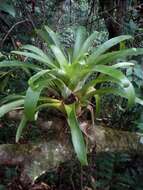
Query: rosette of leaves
[(68, 73)]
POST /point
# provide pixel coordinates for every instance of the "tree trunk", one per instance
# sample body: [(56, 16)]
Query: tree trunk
[(114, 13), (36, 158)]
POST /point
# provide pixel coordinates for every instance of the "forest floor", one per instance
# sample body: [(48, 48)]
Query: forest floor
[(106, 172)]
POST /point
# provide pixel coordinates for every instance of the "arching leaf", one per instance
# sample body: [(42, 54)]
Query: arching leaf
[(80, 36), (113, 56), (98, 106), (20, 128), (10, 106), (77, 137), (41, 59), (36, 50), (53, 36), (107, 45), (118, 75), (59, 56), (86, 45), (30, 103), (19, 64)]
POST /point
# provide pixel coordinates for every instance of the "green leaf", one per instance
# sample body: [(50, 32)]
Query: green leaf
[(10, 106), (79, 76), (109, 70), (53, 36), (43, 34), (41, 80), (123, 65), (139, 101), (118, 75), (89, 42), (37, 51), (44, 60), (105, 91), (19, 64), (86, 45), (11, 98), (49, 36), (112, 56), (59, 56), (8, 8), (79, 40), (93, 83), (97, 99), (51, 104), (20, 128), (30, 103), (50, 79), (77, 137), (107, 45)]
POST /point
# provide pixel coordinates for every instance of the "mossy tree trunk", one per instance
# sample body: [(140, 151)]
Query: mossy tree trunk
[(36, 158)]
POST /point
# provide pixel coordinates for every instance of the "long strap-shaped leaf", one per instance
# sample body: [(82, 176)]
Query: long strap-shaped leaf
[(112, 56), (11, 98), (32, 108), (35, 79), (43, 34), (19, 64), (97, 100), (94, 82), (114, 91), (107, 45), (59, 56), (36, 50), (10, 106), (53, 36), (139, 101), (123, 65), (86, 45), (20, 128), (41, 59), (104, 91), (45, 79), (30, 103), (77, 137), (80, 37), (79, 76), (56, 105), (118, 75)]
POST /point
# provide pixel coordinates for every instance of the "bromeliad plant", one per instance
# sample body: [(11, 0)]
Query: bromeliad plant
[(68, 74)]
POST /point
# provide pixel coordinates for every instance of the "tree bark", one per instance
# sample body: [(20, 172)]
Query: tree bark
[(114, 13), (36, 158)]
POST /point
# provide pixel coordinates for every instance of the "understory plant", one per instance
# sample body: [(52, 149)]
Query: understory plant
[(69, 75)]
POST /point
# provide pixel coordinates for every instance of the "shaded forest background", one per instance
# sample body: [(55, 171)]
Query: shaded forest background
[(114, 17)]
